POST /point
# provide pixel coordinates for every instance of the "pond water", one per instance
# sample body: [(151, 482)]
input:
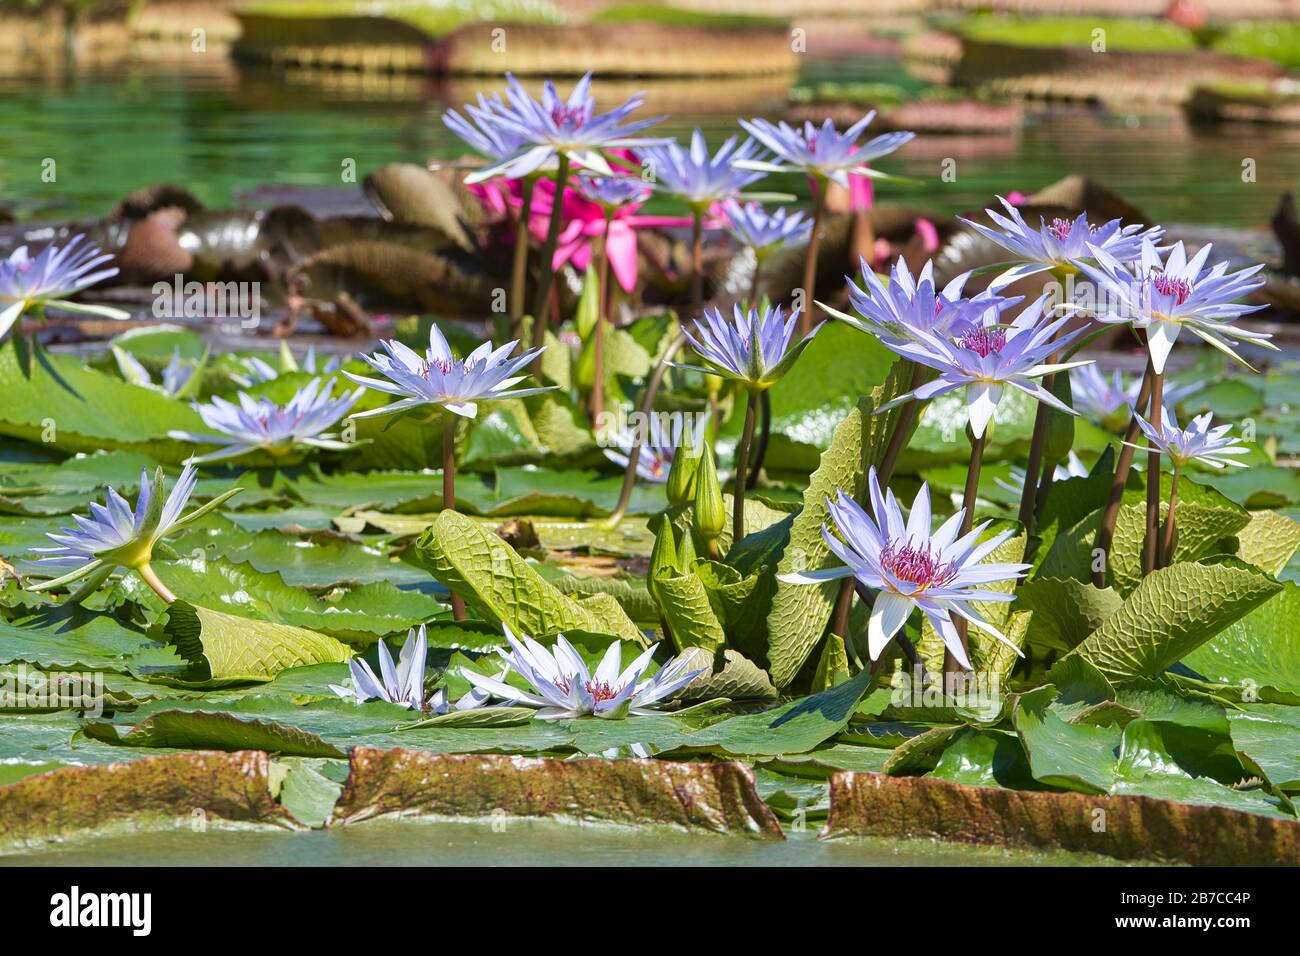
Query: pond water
[(519, 843), (230, 129)]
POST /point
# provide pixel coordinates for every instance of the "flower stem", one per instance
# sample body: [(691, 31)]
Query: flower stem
[(1028, 496), (1151, 543), (697, 261), (742, 467), (519, 267), (1124, 464), (449, 492), (764, 436), (547, 275), (1167, 543), (810, 263), (151, 578), (598, 347), (950, 665), (647, 404)]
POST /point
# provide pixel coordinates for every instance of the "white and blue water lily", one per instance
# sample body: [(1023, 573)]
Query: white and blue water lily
[(119, 536), (439, 378), (822, 152), (755, 347), (553, 126), (1162, 296), (1061, 243), (1073, 467), (658, 447), (1197, 442), (987, 357), (904, 309), (564, 687), (179, 377), (259, 423), (691, 174), (402, 683), (1110, 401), (47, 281), (755, 228), (911, 567)]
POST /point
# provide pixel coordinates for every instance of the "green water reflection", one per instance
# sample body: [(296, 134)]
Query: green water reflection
[(519, 843), (231, 129)]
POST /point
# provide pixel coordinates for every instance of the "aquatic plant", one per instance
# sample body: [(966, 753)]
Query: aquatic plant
[(48, 280), (260, 424), (115, 535), (564, 687)]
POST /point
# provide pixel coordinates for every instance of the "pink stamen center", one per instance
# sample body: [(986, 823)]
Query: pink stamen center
[(569, 117), (1177, 289), (602, 690), (916, 565), (984, 342), (1060, 228)]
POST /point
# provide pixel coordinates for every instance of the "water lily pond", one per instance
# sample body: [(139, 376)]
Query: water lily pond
[(411, 460)]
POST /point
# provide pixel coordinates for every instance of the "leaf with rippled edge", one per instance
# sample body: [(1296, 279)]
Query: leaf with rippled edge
[(1259, 654), (1171, 613), (800, 611), (505, 589), (224, 649)]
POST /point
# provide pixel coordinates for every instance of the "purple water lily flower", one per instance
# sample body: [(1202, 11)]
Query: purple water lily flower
[(822, 152), (1073, 468), (611, 192), (988, 356), (262, 424), (753, 348), (701, 180), (755, 228), (439, 378), (480, 130), (1110, 400), (553, 126), (178, 376), (565, 687), (910, 567), (1164, 296), (402, 683), (117, 535), (657, 449), (1197, 442), (907, 308), (1061, 243), (47, 279)]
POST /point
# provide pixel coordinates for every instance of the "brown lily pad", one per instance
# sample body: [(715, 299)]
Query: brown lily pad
[(164, 792), (1123, 827), (718, 797)]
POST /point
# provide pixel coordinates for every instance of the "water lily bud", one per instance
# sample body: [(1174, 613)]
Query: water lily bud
[(1060, 426), (710, 509), (681, 474), (664, 554), (685, 552)]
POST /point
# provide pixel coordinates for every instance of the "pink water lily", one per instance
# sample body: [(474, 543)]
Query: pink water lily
[(584, 223)]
